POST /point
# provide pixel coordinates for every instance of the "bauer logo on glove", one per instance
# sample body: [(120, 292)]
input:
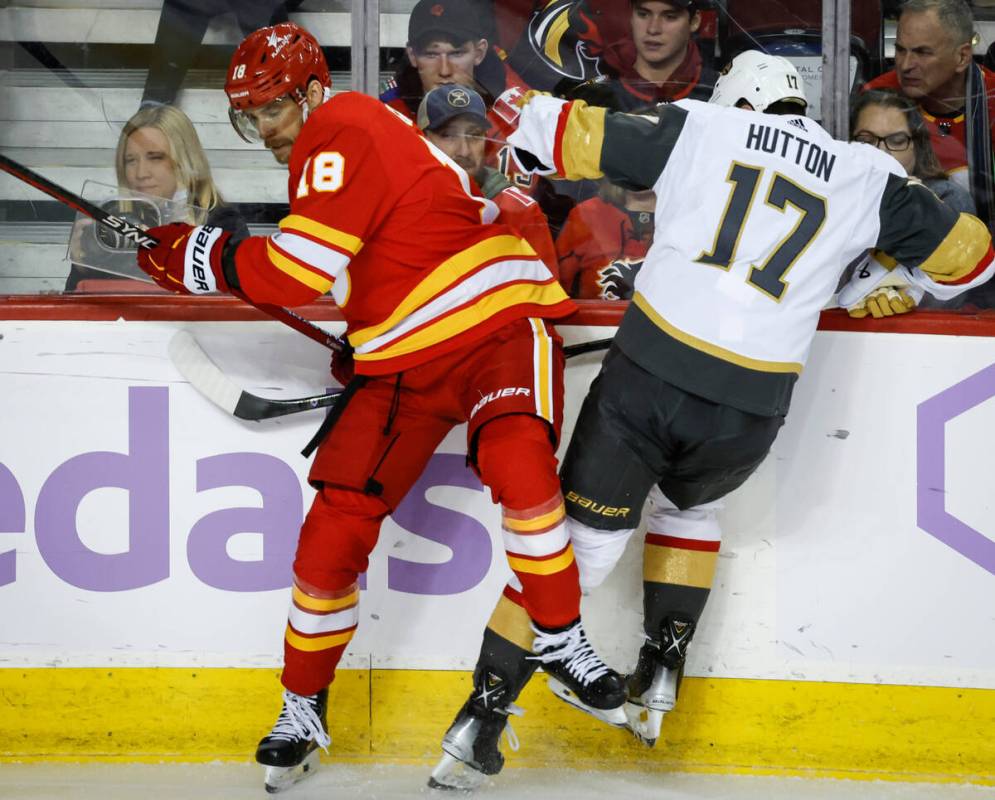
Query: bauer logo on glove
[(879, 288), (187, 259)]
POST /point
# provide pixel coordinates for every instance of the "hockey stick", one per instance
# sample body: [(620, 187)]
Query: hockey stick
[(204, 375), (139, 236), (571, 350)]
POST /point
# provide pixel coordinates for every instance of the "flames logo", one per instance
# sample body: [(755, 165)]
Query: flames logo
[(616, 280), (560, 49)]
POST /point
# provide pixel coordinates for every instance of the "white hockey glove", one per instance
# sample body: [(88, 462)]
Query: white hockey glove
[(534, 138), (877, 290)]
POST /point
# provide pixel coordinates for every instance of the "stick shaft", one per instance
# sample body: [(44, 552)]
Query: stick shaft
[(141, 238)]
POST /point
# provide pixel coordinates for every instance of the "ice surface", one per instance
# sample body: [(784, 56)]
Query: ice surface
[(382, 782)]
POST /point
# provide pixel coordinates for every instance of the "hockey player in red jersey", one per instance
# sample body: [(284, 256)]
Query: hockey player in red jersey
[(447, 315)]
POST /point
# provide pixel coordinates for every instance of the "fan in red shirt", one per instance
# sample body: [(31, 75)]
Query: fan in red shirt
[(454, 119), (934, 67), (447, 315), (603, 243)]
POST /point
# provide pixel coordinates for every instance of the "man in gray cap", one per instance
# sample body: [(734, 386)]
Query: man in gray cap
[(454, 119)]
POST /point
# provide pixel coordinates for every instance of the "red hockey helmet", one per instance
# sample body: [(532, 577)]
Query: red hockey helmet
[(271, 63)]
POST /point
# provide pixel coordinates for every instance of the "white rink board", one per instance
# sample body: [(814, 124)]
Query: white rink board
[(824, 572)]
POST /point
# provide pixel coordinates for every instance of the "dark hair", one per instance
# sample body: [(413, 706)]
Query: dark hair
[(926, 166), (691, 6), (789, 107), (954, 15)]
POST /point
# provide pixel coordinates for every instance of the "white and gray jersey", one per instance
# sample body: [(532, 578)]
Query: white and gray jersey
[(757, 217)]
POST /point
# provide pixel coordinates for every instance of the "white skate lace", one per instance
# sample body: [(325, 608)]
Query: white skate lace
[(572, 648), (298, 720), (509, 732)]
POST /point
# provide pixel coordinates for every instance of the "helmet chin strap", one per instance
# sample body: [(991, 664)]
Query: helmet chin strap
[(326, 95)]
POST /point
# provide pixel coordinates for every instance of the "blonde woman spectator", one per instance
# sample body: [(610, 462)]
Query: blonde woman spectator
[(159, 154)]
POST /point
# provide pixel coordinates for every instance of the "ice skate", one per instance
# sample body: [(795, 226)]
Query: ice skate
[(578, 676), (651, 690), (470, 747), (290, 751)]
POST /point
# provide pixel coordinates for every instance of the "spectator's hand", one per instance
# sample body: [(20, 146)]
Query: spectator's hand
[(187, 259), (343, 366), (877, 290)]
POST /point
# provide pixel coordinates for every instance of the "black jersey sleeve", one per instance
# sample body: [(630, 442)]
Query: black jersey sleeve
[(637, 147), (920, 230), (578, 141)]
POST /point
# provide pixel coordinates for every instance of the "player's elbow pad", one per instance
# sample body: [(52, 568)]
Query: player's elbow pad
[(963, 259)]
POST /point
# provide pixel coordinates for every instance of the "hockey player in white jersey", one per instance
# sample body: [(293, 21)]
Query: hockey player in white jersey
[(757, 216)]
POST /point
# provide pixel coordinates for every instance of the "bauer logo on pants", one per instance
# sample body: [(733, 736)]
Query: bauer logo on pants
[(510, 391)]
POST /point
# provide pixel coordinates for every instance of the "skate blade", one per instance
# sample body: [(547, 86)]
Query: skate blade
[(644, 722), (280, 778), (613, 716), (451, 774)]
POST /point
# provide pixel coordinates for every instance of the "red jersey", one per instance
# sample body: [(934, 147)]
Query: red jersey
[(601, 251), (948, 135), (397, 235), (523, 214)]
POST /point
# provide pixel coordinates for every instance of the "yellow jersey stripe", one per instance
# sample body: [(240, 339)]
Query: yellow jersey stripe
[(548, 566), (333, 236), (297, 272), (312, 644), (544, 377), (960, 252), (447, 274), (578, 145), (466, 318), (536, 523), (322, 605), (712, 349)]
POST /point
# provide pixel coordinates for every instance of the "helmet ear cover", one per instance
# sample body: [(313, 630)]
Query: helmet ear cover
[(761, 80), (270, 63)]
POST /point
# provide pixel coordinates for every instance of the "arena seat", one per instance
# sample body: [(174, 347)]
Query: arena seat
[(793, 29)]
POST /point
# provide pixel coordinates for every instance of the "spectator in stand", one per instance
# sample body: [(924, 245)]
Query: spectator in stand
[(604, 241), (159, 154), (454, 119), (656, 61), (447, 45), (182, 25), (934, 67), (892, 123)]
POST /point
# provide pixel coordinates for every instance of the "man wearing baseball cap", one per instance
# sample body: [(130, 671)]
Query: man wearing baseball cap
[(447, 45), (454, 118)]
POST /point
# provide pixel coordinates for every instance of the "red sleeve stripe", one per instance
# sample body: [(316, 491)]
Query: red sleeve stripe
[(700, 545), (561, 126), (974, 274)]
